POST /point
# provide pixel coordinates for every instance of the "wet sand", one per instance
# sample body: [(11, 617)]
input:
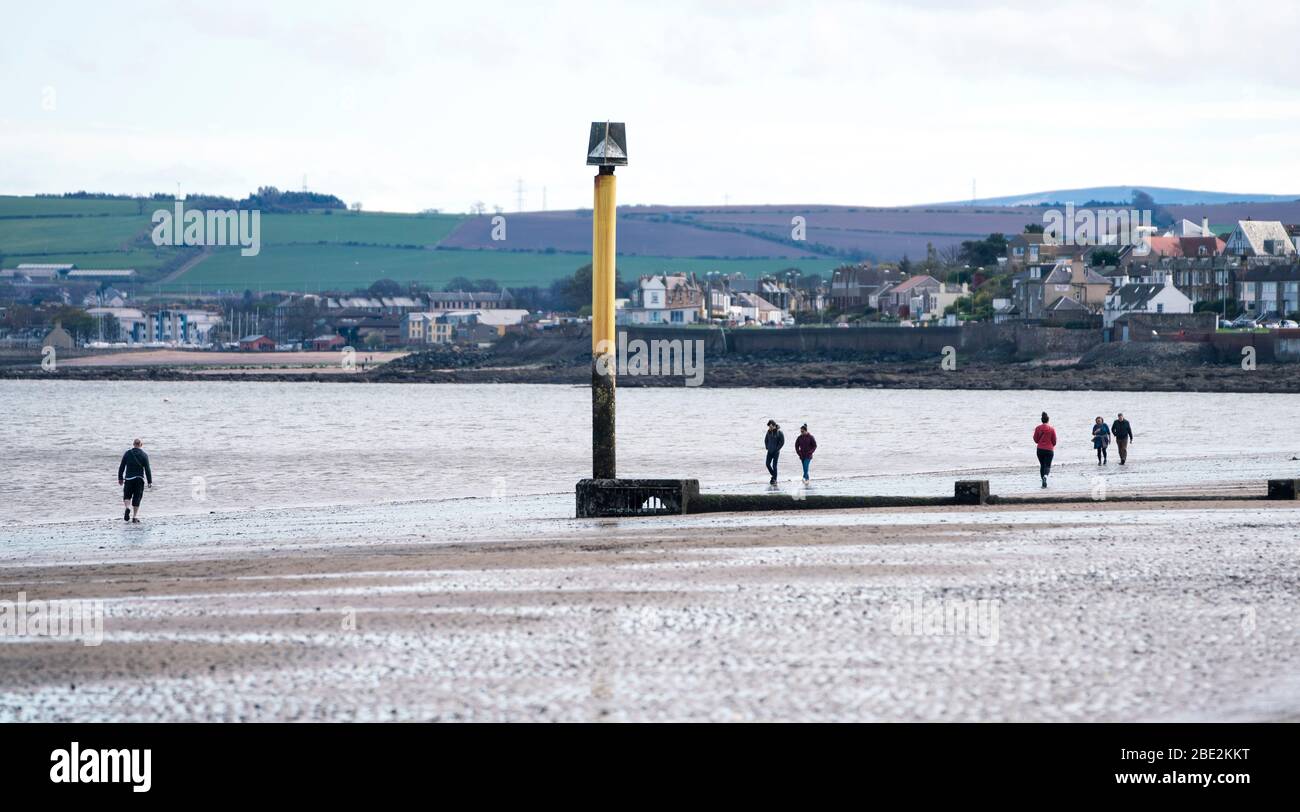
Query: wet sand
[(1106, 612), (184, 359)]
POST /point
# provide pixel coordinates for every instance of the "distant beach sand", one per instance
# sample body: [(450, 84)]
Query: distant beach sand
[(1171, 611), (182, 358)]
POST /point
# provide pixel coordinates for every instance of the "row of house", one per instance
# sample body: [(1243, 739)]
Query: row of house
[(459, 326), (1254, 262), (355, 321), (390, 309), (1069, 291), (919, 297), (48, 273), (1246, 239), (681, 299)]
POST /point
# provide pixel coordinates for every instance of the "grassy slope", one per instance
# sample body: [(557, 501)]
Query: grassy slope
[(11, 206), (324, 267), (366, 228), (342, 250), (68, 234), (113, 234), (145, 261)]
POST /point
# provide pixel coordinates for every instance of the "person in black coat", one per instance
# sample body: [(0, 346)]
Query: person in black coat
[(1123, 434), (773, 440), (132, 472)]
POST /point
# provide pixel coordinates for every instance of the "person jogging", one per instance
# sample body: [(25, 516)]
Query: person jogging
[(774, 440), (1045, 439), (132, 472), (804, 445), (1123, 434), (1101, 439)]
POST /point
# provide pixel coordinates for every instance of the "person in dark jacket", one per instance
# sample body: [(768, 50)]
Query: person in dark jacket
[(804, 445), (1123, 434), (1100, 439), (773, 440), (132, 472)]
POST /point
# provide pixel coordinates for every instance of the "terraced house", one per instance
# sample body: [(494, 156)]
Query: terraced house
[(470, 300), (1270, 290), (859, 286)]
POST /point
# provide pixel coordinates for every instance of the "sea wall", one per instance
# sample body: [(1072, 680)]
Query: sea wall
[(1029, 341), (867, 341)]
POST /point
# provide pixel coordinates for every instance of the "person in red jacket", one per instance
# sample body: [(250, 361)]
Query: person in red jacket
[(1045, 439), (804, 446)]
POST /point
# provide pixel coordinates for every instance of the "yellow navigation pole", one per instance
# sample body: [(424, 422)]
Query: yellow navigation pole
[(606, 149)]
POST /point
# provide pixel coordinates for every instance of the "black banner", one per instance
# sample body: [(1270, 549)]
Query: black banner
[(134, 763)]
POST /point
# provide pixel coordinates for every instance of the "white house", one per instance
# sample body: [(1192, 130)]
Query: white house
[(931, 303), (665, 299), (1186, 228), (750, 307), (1162, 297)]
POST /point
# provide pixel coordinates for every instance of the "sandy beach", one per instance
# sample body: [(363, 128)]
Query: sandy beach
[(317, 552), (191, 358), (1174, 611)]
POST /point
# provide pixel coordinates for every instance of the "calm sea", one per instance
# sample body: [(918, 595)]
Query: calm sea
[(474, 454)]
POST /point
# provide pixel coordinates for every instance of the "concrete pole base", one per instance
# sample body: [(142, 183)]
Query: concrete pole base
[(1283, 488)]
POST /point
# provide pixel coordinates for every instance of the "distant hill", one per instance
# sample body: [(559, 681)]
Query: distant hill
[(1161, 194), (334, 249)]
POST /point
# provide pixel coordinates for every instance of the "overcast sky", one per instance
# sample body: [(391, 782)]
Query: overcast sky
[(406, 106)]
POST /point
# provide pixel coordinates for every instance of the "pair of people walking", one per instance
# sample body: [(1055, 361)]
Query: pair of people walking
[(774, 441), (1045, 440), (1120, 431)]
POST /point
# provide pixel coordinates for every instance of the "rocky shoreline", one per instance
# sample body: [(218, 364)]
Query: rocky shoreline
[(1130, 367), (1064, 374)]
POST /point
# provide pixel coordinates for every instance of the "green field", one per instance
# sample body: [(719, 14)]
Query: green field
[(143, 260), (351, 227), (11, 206), (316, 251), (68, 234), (322, 267), (108, 234)]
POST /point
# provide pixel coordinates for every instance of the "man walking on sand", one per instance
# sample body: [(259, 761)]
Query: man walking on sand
[(773, 440), (1123, 434), (804, 445), (1045, 439), (132, 472)]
